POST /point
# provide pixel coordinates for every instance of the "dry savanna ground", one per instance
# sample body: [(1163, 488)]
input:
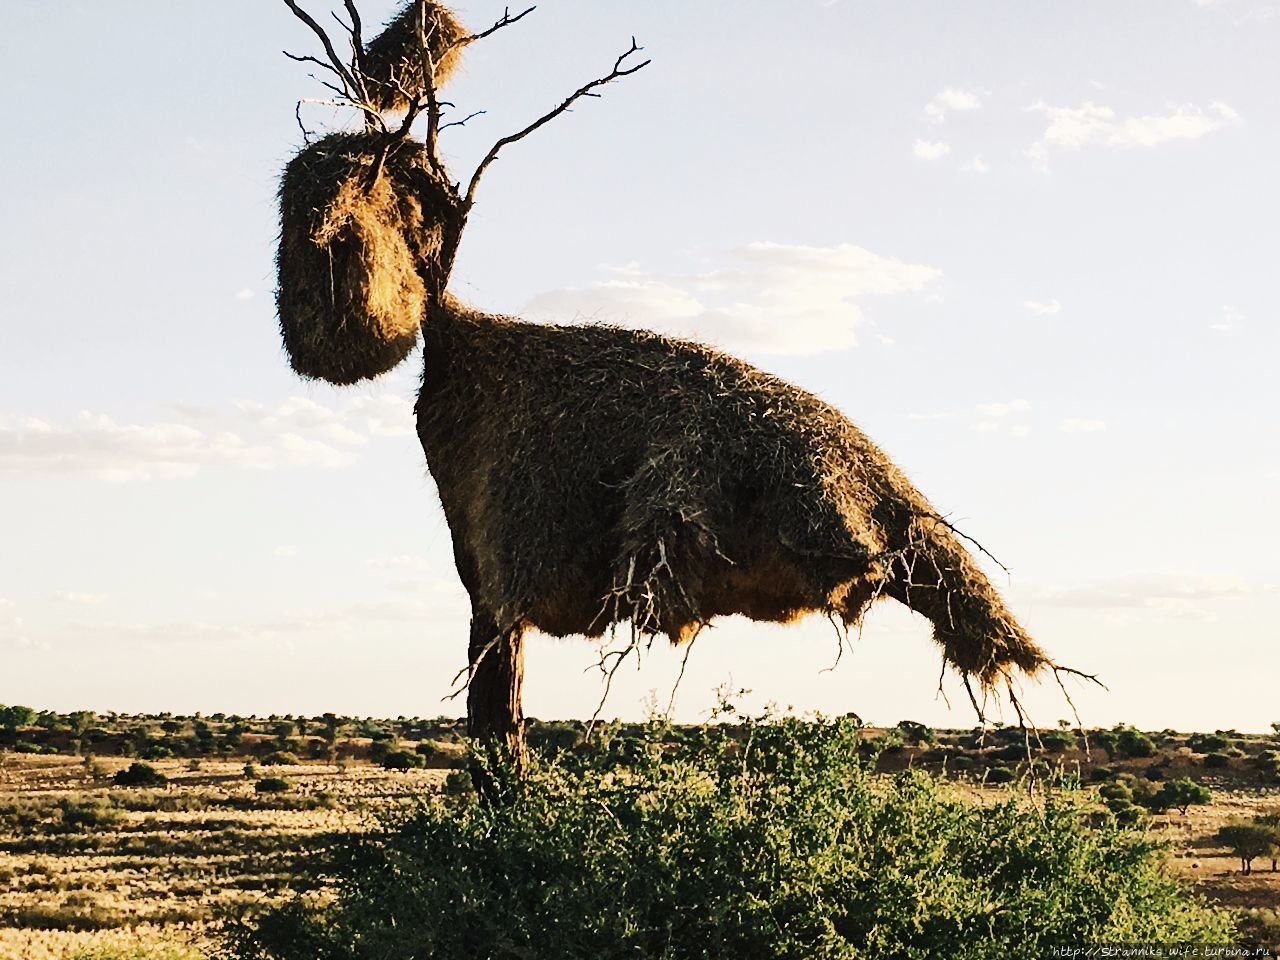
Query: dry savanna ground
[(86, 865), (94, 870)]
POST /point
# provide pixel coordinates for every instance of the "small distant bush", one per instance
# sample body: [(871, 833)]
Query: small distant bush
[(916, 733), (1216, 759), (1056, 741), (427, 749), (1207, 742), (80, 815), (155, 751), (1000, 775), (1106, 739), (1131, 742), (1248, 841), (139, 774), (272, 785), (1181, 794), (1126, 814), (281, 758), (403, 760)]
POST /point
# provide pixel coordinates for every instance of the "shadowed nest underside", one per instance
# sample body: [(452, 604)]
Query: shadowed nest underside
[(593, 475)]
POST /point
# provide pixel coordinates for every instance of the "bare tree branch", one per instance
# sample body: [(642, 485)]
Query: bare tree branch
[(506, 21), (339, 67), (351, 75), (309, 59), (616, 73), (463, 121)]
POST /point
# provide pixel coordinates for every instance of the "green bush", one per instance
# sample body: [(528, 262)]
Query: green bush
[(1216, 760), (139, 774), (1248, 841), (272, 785), (78, 815), (1207, 742), (281, 758), (155, 751), (403, 760), (1181, 793), (771, 840), (1131, 742), (1055, 741)]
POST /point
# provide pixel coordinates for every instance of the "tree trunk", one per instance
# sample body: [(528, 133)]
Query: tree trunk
[(495, 717)]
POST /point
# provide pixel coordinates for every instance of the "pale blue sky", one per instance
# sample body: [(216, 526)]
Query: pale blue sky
[(1029, 247)]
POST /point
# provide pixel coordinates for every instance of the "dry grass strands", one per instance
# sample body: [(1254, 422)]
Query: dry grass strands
[(353, 250), (393, 63), (593, 475)]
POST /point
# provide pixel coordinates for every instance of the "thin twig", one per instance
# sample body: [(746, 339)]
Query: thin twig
[(585, 90), (462, 122), (684, 662), (506, 21), (960, 533)]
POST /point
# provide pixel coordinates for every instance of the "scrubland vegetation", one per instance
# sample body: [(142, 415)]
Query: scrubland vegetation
[(150, 837)]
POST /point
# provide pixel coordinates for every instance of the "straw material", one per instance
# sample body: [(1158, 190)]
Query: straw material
[(593, 475), (352, 253), (392, 64)]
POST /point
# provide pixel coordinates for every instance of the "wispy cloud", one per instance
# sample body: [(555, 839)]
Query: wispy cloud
[(1082, 425), (1180, 595), (253, 436), (931, 150), (770, 298), (72, 596), (1004, 416), (403, 561), (1091, 124), (976, 165), (1227, 319), (1043, 309), (951, 100)]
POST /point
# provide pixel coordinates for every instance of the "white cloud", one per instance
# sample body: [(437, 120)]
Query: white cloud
[(287, 550), (1004, 416), (72, 596), (244, 294), (1082, 425), (951, 99), (1227, 319), (976, 165), (1073, 128), (403, 561), (1043, 309), (1003, 409), (254, 436), (934, 150), (772, 298), (386, 415), (1182, 595)]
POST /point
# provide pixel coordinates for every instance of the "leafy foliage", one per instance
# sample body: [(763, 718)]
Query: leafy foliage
[(139, 774), (764, 839)]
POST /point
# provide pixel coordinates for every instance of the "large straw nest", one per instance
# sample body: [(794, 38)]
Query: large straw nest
[(392, 62), (593, 475), (353, 249)]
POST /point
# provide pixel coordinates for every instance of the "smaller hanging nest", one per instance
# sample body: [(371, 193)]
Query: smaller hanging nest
[(392, 63), (354, 248)]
